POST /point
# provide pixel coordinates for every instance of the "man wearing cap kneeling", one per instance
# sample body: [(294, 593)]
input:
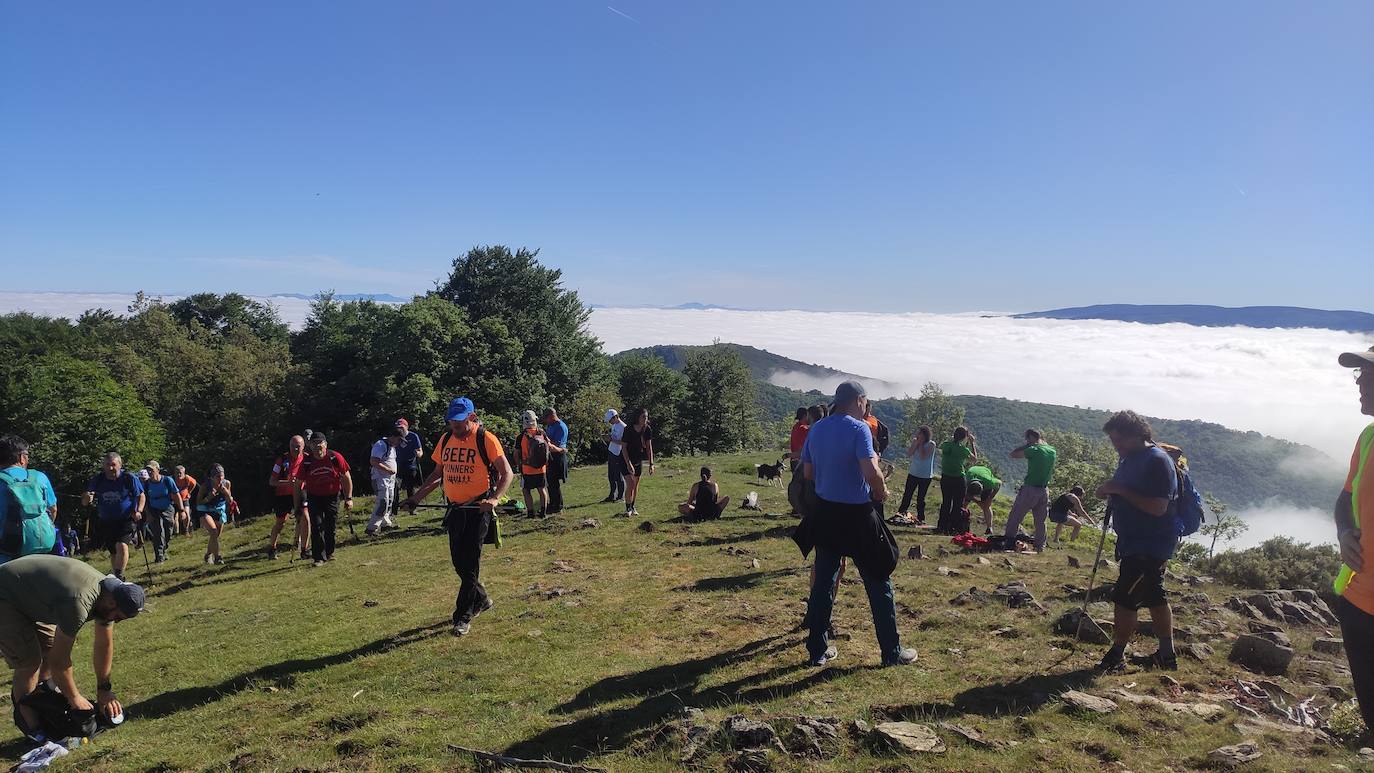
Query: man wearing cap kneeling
[(44, 601)]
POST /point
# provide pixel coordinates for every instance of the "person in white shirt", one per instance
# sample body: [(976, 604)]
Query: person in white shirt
[(615, 463), (383, 463)]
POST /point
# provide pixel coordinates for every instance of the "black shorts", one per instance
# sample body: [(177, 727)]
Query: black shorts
[(635, 468), (284, 506), (1141, 582), (534, 480), (107, 534), (1059, 516), (989, 495)]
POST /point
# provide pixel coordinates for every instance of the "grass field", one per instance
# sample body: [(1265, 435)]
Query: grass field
[(601, 635)]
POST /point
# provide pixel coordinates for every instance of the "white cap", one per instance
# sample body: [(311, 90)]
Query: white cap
[(611, 414)]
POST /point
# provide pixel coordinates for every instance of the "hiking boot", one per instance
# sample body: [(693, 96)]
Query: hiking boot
[(318, 563), (305, 554), (462, 629), (905, 657), (825, 657), (219, 560), (370, 532), (1112, 663), (207, 559), (329, 557), (1159, 662), (485, 607), (608, 499), (272, 553)]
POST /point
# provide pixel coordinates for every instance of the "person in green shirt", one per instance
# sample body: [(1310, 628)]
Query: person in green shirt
[(44, 601), (1034, 496), (955, 455), (982, 488)]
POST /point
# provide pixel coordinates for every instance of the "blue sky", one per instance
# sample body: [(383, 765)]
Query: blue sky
[(882, 156)]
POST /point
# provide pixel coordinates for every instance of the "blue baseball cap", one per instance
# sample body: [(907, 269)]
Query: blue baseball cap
[(459, 408)]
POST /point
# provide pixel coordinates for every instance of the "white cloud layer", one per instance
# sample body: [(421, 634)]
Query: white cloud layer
[(1280, 382), (1312, 525), (1284, 383)]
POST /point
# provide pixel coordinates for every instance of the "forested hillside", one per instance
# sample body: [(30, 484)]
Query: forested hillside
[(1240, 468)]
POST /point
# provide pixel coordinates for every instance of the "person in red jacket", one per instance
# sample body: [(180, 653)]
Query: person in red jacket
[(324, 481), (800, 427)]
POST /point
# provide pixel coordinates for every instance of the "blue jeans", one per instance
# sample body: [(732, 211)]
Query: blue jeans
[(880, 602)]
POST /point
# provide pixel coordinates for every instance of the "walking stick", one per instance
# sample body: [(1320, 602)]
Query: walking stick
[(1092, 577), (147, 565)]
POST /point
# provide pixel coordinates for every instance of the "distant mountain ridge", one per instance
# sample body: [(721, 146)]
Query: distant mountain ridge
[(1241, 468), (1217, 316)]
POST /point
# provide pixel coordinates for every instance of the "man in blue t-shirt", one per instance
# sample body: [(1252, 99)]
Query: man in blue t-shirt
[(408, 456), (14, 466), (838, 456), (556, 435), (164, 504), (1140, 506), (119, 501)]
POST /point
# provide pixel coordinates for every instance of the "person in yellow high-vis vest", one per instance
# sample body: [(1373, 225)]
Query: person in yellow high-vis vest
[(1355, 509)]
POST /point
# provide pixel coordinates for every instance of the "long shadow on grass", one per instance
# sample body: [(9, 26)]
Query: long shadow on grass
[(282, 675), (737, 582), (776, 532), (201, 580), (666, 690), (1019, 696)]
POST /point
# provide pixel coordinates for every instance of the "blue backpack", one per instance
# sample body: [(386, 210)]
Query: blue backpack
[(1187, 508), (27, 528)]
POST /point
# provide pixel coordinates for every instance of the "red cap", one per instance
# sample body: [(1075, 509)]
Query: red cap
[(403, 424)]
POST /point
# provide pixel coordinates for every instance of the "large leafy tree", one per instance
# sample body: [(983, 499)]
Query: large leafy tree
[(646, 382), (559, 355), (720, 412), (935, 409), (72, 412), (227, 313)]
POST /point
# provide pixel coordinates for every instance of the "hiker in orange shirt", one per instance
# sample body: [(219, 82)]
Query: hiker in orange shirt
[(532, 454), (185, 485), (1355, 509)]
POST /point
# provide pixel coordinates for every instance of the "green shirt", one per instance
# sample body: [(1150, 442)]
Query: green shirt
[(1040, 464), (984, 476), (953, 457), (52, 589)]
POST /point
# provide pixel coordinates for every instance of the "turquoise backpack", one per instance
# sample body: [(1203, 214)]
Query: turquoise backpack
[(27, 528)]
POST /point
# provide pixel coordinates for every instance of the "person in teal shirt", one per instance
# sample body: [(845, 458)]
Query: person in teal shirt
[(1034, 496), (982, 488), (955, 455), (14, 467)]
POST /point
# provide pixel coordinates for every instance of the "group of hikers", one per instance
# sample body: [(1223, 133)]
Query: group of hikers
[(46, 598)]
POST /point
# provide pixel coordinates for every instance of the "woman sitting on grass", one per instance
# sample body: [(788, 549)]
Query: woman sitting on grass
[(704, 501), (214, 502)]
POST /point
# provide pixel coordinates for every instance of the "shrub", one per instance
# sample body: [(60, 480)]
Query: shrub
[(1277, 563)]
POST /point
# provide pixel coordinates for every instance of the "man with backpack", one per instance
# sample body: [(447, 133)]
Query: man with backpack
[(382, 460), (44, 602), (324, 481), (1141, 505), (532, 454), (119, 501), (164, 504), (408, 455), (556, 433), (474, 471), (1354, 509), (284, 480), (28, 504)]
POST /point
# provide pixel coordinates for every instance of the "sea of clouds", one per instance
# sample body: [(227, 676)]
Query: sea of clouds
[(1279, 382)]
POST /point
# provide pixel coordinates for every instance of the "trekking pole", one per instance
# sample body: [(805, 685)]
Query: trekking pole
[(147, 565), (1092, 577)]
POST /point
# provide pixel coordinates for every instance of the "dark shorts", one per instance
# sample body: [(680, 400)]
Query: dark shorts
[(284, 506), (1059, 516), (989, 495), (1141, 582), (107, 534), (534, 480), (635, 468)]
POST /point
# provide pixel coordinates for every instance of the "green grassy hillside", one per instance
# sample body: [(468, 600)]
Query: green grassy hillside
[(601, 636)]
